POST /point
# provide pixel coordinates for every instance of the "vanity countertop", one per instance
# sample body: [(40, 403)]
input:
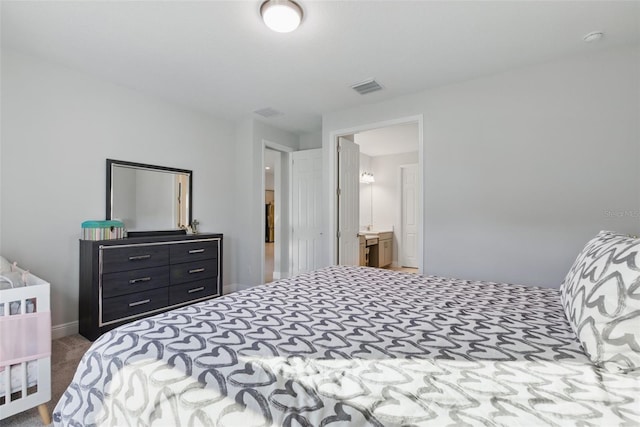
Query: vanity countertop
[(374, 233)]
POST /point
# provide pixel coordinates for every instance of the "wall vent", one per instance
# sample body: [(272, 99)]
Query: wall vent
[(366, 87), (269, 112)]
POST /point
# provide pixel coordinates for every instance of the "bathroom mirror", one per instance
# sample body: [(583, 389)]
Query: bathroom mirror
[(147, 197)]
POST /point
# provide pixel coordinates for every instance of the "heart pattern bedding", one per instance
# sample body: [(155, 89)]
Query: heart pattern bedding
[(351, 346)]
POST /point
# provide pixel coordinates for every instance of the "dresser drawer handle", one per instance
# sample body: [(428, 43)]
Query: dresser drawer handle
[(201, 288), (144, 301), (139, 257), (196, 251), (141, 279), (196, 270)]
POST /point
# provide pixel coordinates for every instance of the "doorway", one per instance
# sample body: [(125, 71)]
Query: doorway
[(275, 211), (272, 166), (389, 209)]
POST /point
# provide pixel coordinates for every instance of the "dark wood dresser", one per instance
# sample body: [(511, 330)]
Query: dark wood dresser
[(125, 279)]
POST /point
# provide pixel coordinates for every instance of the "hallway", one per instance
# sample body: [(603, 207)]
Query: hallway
[(268, 262)]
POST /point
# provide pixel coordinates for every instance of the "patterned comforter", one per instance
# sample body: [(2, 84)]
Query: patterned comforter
[(351, 346)]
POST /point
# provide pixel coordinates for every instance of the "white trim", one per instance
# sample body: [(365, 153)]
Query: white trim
[(333, 140), (64, 330), (230, 288), (263, 187), (235, 287), (277, 275), (243, 286), (277, 147), (290, 216), (277, 221)]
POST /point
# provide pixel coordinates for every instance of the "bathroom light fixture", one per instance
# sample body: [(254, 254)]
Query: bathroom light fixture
[(367, 178), (282, 16)]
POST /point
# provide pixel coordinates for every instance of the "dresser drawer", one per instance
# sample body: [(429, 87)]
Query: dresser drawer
[(131, 304), (193, 290), (126, 282), (134, 257), (187, 252), (192, 271)]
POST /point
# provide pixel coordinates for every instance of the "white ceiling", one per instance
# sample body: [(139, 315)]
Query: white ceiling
[(388, 140), (217, 56)]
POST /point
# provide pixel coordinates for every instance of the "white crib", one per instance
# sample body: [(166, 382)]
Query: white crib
[(25, 348)]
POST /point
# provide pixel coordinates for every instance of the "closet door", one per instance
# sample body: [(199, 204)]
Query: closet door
[(306, 210), (409, 244)]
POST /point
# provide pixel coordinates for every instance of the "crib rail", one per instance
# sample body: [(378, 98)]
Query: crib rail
[(25, 346)]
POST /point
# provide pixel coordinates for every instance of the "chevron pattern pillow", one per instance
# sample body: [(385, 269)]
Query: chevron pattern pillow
[(601, 298)]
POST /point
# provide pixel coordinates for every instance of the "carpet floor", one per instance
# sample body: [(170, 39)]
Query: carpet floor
[(65, 355)]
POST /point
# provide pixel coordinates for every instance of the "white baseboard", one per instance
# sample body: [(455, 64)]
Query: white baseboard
[(243, 286), (64, 330), (235, 287), (277, 275)]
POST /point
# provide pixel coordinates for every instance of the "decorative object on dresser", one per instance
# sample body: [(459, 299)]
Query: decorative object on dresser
[(126, 279), (102, 230), (25, 342)]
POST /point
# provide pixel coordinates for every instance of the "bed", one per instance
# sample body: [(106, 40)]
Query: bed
[(352, 346)]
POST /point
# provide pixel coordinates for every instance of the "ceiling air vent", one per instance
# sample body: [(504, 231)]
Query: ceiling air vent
[(269, 112), (366, 87)]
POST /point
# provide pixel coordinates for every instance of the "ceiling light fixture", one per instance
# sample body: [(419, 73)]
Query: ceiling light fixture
[(282, 16), (593, 36)]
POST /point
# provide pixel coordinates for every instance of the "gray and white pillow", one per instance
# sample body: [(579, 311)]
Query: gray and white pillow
[(601, 298)]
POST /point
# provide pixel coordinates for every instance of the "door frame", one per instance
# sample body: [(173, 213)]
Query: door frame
[(333, 180), (278, 194)]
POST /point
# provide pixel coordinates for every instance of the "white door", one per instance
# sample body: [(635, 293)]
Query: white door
[(306, 210), (348, 202), (409, 245)]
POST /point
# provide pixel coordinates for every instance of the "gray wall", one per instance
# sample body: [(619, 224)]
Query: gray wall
[(309, 141), (522, 168), (247, 203), (58, 127)]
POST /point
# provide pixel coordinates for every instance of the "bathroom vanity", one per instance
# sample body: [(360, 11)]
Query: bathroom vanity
[(376, 248)]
